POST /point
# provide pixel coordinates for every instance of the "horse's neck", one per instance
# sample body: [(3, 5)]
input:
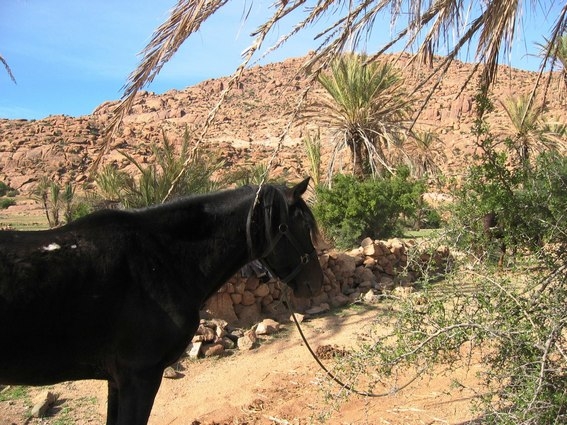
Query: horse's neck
[(211, 228)]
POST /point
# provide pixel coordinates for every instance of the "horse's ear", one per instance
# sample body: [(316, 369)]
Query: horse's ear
[(297, 191)]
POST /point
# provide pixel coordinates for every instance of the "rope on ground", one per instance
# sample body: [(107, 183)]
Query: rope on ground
[(331, 375)]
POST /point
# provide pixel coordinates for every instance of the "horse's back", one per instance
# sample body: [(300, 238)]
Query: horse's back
[(59, 292), (78, 300)]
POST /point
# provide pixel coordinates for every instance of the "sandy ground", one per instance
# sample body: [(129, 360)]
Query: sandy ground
[(275, 383)]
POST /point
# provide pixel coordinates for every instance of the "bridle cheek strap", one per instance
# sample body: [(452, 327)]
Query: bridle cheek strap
[(283, 231), (304, 258)]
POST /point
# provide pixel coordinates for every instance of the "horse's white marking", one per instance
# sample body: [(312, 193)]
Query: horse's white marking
[(52, 247)]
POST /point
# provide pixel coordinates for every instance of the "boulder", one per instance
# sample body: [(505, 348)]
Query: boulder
[(267, 327), (248, 341)]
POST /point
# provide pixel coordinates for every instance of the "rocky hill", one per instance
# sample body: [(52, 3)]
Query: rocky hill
[(246, 129)]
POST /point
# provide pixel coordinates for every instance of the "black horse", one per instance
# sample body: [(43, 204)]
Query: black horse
[(116, 295)]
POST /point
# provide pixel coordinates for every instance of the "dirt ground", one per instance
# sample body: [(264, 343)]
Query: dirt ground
[(276, 383)]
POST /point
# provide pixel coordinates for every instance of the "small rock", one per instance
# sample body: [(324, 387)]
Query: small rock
[(194, 349), (170, 373), (387, 283), (248, 340), (403, 291), (298, 316), (369, 262), (228, 343), (267, 327), (43, 402), (204, 334), (368, 247), (210, 350), (262, 290), (340, 300), (318, 309), (370, 297)]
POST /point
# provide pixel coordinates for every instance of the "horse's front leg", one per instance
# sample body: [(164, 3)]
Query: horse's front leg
[(112, 406), (136, 392)]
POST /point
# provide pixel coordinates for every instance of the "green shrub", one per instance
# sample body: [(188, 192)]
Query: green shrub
[(156, 180), (351, 209), (3, 188), (6, 202), (80, 209), (6, 190), (528, 197), (512, 324), (530, 204)]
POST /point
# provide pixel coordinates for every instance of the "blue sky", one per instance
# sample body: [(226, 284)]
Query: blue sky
[(69, 56)]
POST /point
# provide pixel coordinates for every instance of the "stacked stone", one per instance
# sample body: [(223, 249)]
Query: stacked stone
[(214, 337), (369, 270), (363, 273)]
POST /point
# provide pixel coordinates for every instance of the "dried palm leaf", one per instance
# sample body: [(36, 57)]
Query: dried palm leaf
[(491, 25), (8, 70)]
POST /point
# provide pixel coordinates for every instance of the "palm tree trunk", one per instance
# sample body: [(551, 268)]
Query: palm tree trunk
[(358, 159)]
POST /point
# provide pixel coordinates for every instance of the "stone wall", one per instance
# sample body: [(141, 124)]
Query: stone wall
[(372, 269)]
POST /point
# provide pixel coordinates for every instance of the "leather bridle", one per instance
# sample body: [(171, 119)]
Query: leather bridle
[(304, 257), (283, 232)]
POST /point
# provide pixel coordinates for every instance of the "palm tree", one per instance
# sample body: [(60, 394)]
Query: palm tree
[(367, 109), (557, 55), (425, 152), (532, 132)]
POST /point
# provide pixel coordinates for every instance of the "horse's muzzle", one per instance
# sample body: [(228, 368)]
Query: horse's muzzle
[(309, 288)]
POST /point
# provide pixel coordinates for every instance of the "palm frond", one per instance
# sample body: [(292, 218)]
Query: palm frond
[(8, 69), (441, 27)]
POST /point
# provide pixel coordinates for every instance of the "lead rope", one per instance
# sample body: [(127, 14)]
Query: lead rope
[(331, 374)]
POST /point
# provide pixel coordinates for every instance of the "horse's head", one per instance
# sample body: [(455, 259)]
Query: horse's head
[(285, 247)]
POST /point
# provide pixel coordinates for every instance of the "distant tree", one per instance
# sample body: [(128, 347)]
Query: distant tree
[(366, 107), (55, 200), (425, 152), (532, 132)]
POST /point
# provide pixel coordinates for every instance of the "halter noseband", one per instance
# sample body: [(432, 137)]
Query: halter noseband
[(283, 230), (304, 258)]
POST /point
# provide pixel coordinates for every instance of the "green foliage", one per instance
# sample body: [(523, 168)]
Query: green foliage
[(6, 202), (312, 143), (7, 191), (3, 188), (512, 324), (155, 180), (14, 393), (57, 201), (529, 199), (80, 209), (351, 209)]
